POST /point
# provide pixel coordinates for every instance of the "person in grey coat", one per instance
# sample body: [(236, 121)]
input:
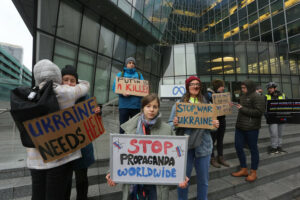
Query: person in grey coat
[(148, 122)]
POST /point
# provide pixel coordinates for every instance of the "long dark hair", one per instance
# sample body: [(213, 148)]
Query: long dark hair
[(187, 95)]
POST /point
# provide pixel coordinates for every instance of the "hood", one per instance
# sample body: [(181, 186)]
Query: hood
[(210, 90), (45, 70), (251, 86)]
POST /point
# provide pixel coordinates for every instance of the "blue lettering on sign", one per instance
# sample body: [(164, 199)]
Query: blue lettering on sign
[(147, 172), (178, 89)]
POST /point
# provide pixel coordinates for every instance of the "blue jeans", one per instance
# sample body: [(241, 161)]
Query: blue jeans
[(202, 173), (249, 137)]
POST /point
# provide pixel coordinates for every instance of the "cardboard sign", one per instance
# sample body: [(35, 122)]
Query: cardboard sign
[(222, 102), (283, 111), (63, 132), (196, 115), (150, 159), (131, 86)]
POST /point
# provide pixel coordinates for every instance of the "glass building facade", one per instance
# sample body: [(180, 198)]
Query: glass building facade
[(12, 74), (232, 62), (170, 39)]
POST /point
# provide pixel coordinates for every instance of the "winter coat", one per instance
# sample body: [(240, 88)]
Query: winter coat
[(253, 107), (66, 95), (131, 102), (159, 128), (199, 139), (87, 152), (275, 96)]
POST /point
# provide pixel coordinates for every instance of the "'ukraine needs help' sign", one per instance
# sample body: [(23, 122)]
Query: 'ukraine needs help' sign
[(131, 86), (63, 132), (196, 115), (150, 159)]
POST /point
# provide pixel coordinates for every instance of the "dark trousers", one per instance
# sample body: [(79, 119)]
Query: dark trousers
[(250, 138), (51, 184), (82, 184), (125, 114), (218, 136)]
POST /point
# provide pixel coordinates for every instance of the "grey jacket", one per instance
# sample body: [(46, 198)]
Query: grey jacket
[(159, 128), (253, 107)]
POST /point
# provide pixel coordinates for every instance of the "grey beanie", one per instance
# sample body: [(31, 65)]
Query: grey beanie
[(45, 70), (130, 59)]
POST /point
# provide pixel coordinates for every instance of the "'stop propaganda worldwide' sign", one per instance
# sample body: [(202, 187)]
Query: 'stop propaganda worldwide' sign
[(131, 86), (60, 133), (150, 159), (222, 102), (196, 115)]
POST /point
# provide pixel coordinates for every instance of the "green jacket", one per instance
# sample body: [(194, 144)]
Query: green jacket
[(253, 107), (160, 128)]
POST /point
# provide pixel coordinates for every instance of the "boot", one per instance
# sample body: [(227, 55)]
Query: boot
[(214, 163), (222, 161), (252, 177), (242, 172)]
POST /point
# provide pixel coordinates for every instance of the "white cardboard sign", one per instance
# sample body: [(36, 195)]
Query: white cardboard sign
[(150, 159)]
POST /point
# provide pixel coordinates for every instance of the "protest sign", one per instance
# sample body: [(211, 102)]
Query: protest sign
[(196, 115), (131, 86), (63, 132), (222, 102), (150, 159), (283, 111)]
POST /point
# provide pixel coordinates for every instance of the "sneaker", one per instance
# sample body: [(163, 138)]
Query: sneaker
[(280, 150), (273, 151)]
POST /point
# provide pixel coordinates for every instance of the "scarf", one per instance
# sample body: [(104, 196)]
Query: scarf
[(148, 124)]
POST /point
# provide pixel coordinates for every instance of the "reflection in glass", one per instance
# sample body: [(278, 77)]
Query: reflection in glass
[(179, 60), (64, 54)]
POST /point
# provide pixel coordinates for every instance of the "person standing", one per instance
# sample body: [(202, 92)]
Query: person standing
[(148, 122), (50, 180), (80, 166), (259, 90), (199, 144), (275, 129), (129, 105), (251, 109), (217, 135)]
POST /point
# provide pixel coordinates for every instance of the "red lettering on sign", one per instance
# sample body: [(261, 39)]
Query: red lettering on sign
[(144, 143), (88, 129), (156, 147), (119, 87), (133, 143), (167, 145), (128, 87), (99, 125)]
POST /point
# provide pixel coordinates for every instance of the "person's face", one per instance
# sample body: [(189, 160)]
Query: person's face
[(194, 88), (151, 110), (271, 90), (69, 80), (221, 89), (244, 89), (259, 91), (130, 65)]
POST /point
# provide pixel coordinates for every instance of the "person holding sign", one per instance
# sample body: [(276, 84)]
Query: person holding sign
[(217, 135), (148, 122), (50, 180), (129, 105), (275, 129), (200, 142), (70, 77), (251, 109)]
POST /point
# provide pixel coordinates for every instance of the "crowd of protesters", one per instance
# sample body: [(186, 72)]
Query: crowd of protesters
[(142, 116)]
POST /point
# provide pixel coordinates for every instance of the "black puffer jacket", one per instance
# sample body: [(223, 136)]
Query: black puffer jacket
[(253, 107)]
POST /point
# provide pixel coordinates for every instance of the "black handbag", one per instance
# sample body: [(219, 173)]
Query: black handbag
[(29, 103)]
